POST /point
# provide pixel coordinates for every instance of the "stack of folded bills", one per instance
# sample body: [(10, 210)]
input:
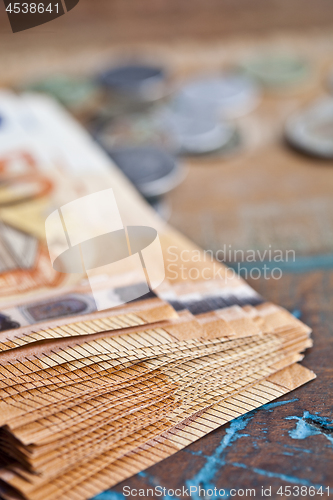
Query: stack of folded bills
[(101, 375)]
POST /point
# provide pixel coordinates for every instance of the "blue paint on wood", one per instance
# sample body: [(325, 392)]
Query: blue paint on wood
[(194, 453), (109, 495), (296, 313), (153, 481), (296, 448), (271, 406), (214, 462), (205, 476), (302, 264), (311, 425), (284, 477)]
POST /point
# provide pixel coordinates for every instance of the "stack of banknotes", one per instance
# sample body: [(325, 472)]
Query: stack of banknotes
[(104, 373)]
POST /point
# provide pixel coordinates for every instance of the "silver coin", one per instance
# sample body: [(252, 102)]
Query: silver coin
[(175, 131), (134, 129), (230, 94), (311, 130), (178, 130), (151, 169), (137, 80), (277, 70)]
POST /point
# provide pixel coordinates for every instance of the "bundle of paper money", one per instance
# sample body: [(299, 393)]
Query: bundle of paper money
[(91, 395)]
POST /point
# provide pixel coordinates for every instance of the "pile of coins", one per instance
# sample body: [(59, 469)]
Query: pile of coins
[(148, 121)]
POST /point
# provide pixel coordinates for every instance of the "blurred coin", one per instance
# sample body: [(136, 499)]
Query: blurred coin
[(277, 70), (330, 81), (71, 92), (311, 130), (137, 80), (136, 129), (151, 169), (161, 206), (175, 131), (232, 147), (116, 106), (230, 95), (195, 133)]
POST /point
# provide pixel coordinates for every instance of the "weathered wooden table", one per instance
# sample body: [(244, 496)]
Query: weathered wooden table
[(286, 443), (265, 197)]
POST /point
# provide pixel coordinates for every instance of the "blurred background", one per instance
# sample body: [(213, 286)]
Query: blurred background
[(167, 19)]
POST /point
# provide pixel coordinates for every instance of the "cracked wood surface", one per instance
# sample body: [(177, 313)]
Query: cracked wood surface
[(288, 442)]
